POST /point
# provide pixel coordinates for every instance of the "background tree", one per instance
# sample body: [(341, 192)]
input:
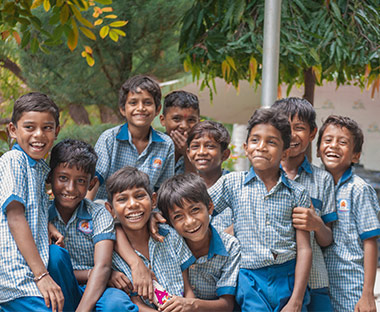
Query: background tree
[(332, 40), (150, 47)]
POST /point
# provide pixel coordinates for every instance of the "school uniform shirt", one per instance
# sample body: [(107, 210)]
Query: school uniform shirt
[(22, 179), (358, 219), (320, 185), (222, 220), (216, 273), (180, 166), (115, 150), (89, 224), (167, 260), (262, 220)]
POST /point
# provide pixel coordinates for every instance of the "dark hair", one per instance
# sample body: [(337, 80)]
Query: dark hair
[(212, 128), (272, 117), (350, 124), (74, 153), (181, 99), (179, 189), (293, 106), (125, 179), (34, 102), (144, 83)]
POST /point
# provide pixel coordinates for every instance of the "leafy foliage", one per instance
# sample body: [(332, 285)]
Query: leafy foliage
[(338, 39), (19, 19)]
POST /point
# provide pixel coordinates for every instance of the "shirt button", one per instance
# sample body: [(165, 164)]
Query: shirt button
[(268, 222), (192, 266)]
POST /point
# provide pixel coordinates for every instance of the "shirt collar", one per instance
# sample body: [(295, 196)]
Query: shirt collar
[(123, 134), (32, 162), (251, 175), (81, 214), (216, 245), (306, 166), (346, 175)]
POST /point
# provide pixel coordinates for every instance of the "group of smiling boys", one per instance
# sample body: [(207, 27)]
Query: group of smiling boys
[(283, 236)]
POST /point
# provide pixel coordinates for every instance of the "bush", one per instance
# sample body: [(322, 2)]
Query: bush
[(86, 133)]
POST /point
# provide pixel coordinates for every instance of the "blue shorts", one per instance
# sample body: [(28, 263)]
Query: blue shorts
[(268, 288), (320, 300)]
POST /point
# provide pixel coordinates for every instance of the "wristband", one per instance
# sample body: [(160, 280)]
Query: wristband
[(38, 278)]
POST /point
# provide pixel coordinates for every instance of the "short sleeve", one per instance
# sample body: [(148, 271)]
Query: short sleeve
[(103, 149), (227, 283), (103, 225), (183, 252), (366, 212), (220, 195), (304, 199), (328, 213)]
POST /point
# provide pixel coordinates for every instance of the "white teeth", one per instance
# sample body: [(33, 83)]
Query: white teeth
[(68, 196), (38, 144), (135, 215), (332, 155), (194, 230), (294, 144)]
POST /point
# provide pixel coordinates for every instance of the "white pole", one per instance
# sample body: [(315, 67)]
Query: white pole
[(272, 21)]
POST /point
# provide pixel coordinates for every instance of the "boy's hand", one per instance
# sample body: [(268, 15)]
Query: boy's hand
[(51, 293), (306, 219), (142, 280), (177, 304), (156, 218), (120, 281), (55, 236), (180, 141), (292, 306), (366, 304)]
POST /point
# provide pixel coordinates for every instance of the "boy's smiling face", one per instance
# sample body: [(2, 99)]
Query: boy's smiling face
[(132, 207), (70, 185), (336, 150), (265, 148), (179, 119), (301, 136), (35, 132), (139, 109), (205, 154), (191, 221)]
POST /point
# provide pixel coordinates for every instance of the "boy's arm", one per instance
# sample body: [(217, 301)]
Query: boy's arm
[(223, 304), (141, 275), (92, 193), (302, 271), (99, 275), (306, 219), (367, 300), (141, 305), (22, 235), (55, 236)]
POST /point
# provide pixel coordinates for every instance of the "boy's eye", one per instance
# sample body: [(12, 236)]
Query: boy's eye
[(81, 181), (148, 102), (49, 128), (210, 146), (176, 118), (177, 217), (195, 209), (62, 178), (140, 195), (192, 120), (194, 146), (342, 142)]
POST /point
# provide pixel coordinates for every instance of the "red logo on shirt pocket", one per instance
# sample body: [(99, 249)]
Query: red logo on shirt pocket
[(157, 162), (85, 226)]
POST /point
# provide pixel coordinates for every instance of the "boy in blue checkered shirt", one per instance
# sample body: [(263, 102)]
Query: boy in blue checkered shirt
[(25, 282), (88, 229), (276, 257), (130, 201), (179, 115), (352, 258), (135, 143), (185, 203), (320, 185)]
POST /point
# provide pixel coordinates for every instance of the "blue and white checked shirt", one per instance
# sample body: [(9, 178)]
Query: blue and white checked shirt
[(222, 220), (263, 220), (320, 185), (358, 219), (115, 150), (180, 166), (89, 224), (216, 274), (167, 260), (22, 179)]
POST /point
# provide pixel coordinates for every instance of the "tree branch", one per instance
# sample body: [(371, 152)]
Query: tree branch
[(13, 67)]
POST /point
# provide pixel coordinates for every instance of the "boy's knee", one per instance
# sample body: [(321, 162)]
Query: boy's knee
[(114, 299), (58, 256)]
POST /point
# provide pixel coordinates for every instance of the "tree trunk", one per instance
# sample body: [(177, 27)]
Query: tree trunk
[(13, 67), (79, 114), (108, 115), (309, 82)]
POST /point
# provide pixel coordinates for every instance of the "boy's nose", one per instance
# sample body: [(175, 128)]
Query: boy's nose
[(202, 149), (261, 145), (140, 106)]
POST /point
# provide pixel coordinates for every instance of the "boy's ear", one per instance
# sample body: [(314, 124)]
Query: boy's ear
[(285, 154), (162, 120), (210, 208), (12, 130), (57, 129), (92, 183), (154, 200), (245, 148), (158, 110), (225, 154), (313, 134), (109, 208), (355, 158), (122, 111)]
